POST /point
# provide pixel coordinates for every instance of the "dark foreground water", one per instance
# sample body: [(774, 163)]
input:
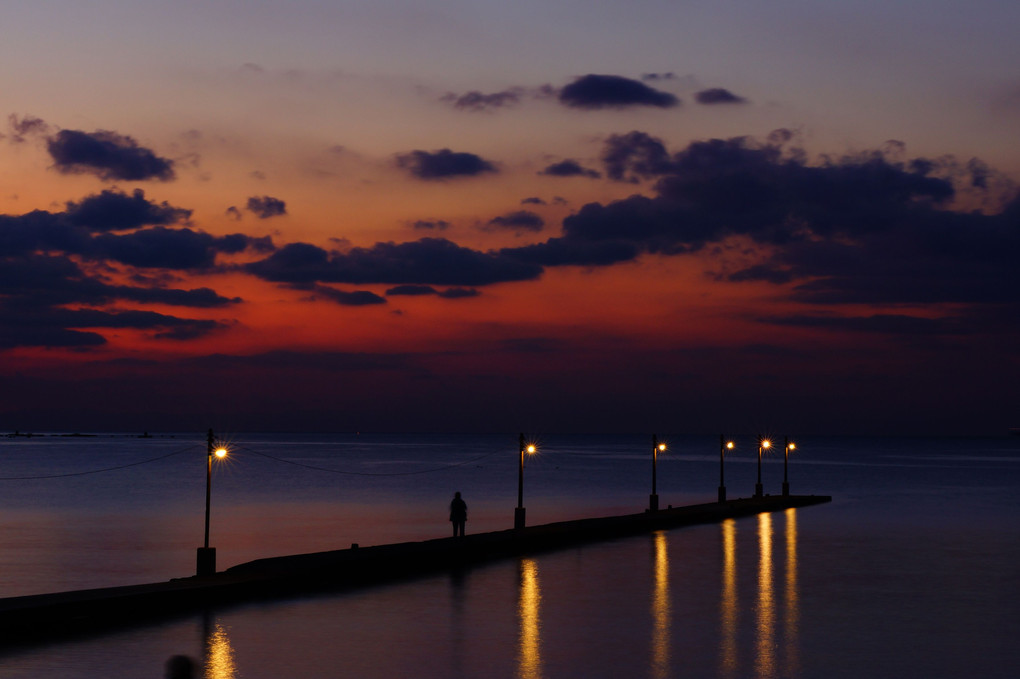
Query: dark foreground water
[(913, 570)]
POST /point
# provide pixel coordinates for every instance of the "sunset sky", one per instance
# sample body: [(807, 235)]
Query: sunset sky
[(544, 216)]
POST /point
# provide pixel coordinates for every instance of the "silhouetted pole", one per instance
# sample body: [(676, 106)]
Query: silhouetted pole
[(207, 555), (519, 512), (762, 444), (786, 463), (653, 499), (724, 445), (208, 483)]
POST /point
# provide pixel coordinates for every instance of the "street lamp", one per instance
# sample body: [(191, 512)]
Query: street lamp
[(788, 445), (653, 499), (207, 554), (519, 511), (763, 444), (724, 445)]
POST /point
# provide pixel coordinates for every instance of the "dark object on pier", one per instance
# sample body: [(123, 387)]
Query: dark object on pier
[(458, 514), (180, 667)]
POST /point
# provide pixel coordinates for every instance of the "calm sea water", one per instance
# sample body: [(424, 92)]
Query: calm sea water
[(912, 570)]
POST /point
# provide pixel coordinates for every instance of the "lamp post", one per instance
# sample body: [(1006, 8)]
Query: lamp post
[(206, 554), (724, 445), (653, 499), (763, 444), (788, 445), (519, 511)]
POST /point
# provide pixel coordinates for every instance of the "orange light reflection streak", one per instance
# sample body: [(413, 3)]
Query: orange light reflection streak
[(529, 653), (765, 662), (728, 603), (661, 610)]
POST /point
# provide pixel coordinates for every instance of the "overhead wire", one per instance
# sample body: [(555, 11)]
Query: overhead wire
[(353, 473), (98, 471), (255, 452)]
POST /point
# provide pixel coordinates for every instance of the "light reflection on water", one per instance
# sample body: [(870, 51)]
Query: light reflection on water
[(791, 612), (529, 655), (773, 657), (728, 601), (219, 656), (765, 660), (661, 609), (752, 597)]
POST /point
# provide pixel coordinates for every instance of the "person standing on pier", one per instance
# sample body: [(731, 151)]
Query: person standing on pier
[(458, 514)]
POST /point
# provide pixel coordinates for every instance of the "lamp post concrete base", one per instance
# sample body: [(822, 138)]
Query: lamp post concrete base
[(653, 502), (206, 561), (786, 489), (758, 490), (722, 493), (519, 518)]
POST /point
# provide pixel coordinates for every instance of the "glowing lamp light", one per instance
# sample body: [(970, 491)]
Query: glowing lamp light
[(763, 444), (207, 554), (790, 445), (724, 446), (519, 513), (657, 447)]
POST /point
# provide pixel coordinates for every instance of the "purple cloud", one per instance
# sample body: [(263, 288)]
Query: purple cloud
[(444, 164), (265, 207), (108, 155), (569, 168), (111, 210), (477, 101), (521, 220), (429, 261), (718, 95), (613, 91)]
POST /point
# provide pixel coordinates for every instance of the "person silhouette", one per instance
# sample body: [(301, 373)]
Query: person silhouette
[(458, 514)]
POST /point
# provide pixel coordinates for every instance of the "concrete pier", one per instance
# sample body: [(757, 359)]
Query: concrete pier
[(43, 618)]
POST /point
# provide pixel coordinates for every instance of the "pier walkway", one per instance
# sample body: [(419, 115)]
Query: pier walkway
[(43, 618)]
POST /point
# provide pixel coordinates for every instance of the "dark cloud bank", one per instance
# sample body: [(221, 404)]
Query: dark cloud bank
[(860, 229), (50, 260), (833, 235), (429, 261), (116, 211)]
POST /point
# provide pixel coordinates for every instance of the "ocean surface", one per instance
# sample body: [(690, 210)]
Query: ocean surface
[(912, 570)]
